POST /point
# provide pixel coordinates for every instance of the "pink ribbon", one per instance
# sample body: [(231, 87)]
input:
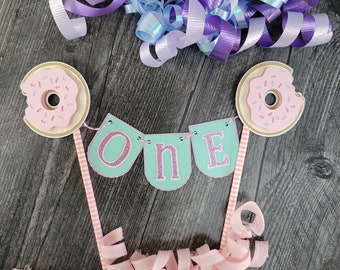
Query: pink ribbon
[(235, 256)]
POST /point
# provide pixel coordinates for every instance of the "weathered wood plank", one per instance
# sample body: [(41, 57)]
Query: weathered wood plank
[(299, 187)]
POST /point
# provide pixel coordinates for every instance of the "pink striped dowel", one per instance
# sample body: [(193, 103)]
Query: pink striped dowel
[(91, 201), (235, 184)]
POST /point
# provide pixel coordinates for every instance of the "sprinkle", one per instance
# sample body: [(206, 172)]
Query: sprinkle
[(273, 119), (57, 87), (39, 83), (39, 110), (292, 106), (265, 83), (56, 80), (66, 87), (31, 106), (69, 104), (269, 114), (287, 109), (260, 96), (32, 85), (52, 119), (254, 102), (34, 93), (273, 76), (261, 116), (62, 108), (66, 96), (260, 108), (42, 121), (279, 85)]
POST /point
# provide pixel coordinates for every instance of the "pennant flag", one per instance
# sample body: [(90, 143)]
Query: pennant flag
[(114, 148), (167, 160), (167, 157), (215, 146)]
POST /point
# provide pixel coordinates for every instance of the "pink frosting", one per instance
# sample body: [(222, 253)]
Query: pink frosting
[(288, 108), (37, 86)]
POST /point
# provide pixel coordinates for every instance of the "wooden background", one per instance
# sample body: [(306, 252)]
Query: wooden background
[(44, 218)]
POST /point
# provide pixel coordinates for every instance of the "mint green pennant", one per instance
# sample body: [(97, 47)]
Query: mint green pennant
[(114, 148), (215, 147), (167, 160)]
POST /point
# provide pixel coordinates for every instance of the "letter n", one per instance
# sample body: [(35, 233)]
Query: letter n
[(161, 150)]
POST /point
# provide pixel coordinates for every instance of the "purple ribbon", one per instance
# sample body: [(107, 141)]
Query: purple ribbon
[(83, 10)]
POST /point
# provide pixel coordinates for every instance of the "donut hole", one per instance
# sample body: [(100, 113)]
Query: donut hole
[(272, 99), (51, 100)]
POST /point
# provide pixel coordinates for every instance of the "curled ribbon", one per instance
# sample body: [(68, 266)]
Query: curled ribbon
[(223, 22), (166, 47), (214, 25), (75, 28), (234, 256), (81, 9), (70, 28)]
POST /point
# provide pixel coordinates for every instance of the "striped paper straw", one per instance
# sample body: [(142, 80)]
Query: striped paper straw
[(235, 184), (91, 201)]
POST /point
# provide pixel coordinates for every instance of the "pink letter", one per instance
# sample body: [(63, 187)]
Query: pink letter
[(212, 149), (160, 149), (123, 155)]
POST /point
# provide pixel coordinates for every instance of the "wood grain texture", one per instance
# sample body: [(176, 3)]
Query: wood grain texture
[(44, 218)]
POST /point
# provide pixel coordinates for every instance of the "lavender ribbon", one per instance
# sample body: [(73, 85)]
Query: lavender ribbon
[(70, 28), (83, 10), (214, 25)]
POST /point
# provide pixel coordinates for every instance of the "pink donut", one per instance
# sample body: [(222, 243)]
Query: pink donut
[(39, 87), (288, 104)]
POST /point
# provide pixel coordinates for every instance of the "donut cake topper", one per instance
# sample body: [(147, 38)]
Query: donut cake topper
[(266, 100), (58, 99), (58, 102)]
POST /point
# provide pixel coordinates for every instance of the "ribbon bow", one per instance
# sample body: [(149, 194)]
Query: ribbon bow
[(216, 26), (235, 255)]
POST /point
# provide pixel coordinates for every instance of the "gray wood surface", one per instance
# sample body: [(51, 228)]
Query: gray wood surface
[(44, 218)]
